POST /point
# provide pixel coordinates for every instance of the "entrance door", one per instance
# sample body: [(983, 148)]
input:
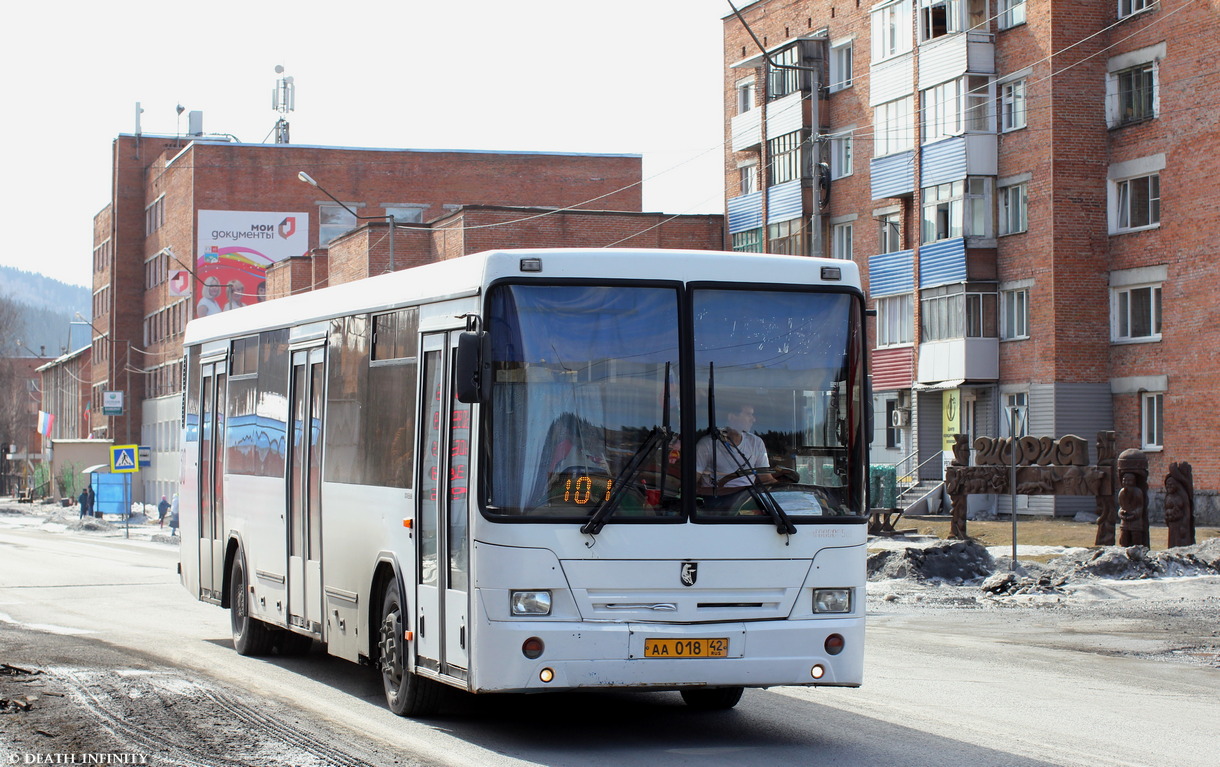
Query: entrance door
[(442, 598), (305, 490), (211, 479)]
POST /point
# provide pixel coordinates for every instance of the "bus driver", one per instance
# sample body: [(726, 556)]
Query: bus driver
[(726, 470)]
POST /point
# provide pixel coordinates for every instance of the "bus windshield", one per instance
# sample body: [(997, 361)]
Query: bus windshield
[(586, 406)]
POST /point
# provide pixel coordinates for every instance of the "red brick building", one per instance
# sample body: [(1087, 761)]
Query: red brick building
[(199, 224), (1023, 184)]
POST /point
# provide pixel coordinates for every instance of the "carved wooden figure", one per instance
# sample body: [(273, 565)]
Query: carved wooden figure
[(1180, 504), (1133, 499)]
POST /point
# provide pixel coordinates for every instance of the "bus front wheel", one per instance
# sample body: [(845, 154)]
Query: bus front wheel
[(406, 693), (250, 635), (712, 698)]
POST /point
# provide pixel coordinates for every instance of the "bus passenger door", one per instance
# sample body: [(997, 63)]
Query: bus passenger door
[(443, 631), (211, 479), (305, 490)]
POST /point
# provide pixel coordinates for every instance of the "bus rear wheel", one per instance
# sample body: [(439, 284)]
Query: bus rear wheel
[(250, 635), (712, 698), (406, 693)]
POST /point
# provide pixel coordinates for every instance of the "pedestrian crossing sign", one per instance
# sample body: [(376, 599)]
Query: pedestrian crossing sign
[(123, 459)]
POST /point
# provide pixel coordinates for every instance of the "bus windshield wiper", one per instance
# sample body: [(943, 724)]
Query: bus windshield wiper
[(659, 437), (758, 491)]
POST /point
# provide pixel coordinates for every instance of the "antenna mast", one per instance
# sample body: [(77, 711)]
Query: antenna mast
[(283, 100)]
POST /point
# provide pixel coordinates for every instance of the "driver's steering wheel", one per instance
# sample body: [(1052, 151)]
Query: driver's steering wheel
[(782, 474)]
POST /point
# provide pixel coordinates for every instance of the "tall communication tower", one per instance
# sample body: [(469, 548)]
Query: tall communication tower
[(283, 100)]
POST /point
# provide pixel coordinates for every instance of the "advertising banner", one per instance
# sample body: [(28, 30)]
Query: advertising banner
[(234, 250)]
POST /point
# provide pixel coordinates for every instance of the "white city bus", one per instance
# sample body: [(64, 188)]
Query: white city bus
[(522, 471)]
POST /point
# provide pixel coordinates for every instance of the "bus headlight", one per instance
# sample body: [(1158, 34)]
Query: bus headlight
[(832, 600), (530, 602)]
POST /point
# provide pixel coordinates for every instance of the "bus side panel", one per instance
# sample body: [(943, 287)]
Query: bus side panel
[(254, 510), (359, 522), (188, 516)]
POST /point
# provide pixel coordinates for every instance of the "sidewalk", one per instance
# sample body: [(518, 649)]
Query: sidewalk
[(54, 517)]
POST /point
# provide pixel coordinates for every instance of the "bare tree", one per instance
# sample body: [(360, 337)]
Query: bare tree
[(13, 411)]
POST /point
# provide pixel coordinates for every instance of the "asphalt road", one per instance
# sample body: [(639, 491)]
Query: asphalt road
[(131, 664)]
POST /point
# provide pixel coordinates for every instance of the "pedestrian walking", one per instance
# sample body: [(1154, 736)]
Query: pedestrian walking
[(162, 510), (86, 508)]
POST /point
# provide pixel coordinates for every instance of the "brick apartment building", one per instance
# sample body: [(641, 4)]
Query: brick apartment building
[(1023, 184), (199, 224)]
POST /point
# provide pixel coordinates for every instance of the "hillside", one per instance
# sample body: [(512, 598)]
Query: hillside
[(46, 308)]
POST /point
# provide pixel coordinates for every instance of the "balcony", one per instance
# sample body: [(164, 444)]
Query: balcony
[(969, 359), (747, 130), (892, 175), (952, 159), (745, 212), (952, 56)]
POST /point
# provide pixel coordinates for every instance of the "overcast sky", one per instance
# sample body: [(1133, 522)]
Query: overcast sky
[(631, 76)]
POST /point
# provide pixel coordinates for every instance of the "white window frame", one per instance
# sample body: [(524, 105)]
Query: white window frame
[(942, 212), (1011, 13), (1124, 312), (889, 233), (1152, 420), (786, 154), (1117, 68), (956, 107), (841, 152), (894, 126), (841, 65), (1014, 314), (1013, 201), (1013, 105), (895, 320), (1132, 7), (841, 241), (746, 94), (891, 30), (747, 177), (928, 13), (1139, 196), (1121, 180)]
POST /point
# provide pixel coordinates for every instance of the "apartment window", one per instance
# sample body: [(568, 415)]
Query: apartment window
[(1012, 13), (1152, 420), (891, 30), (334, 220), (1014, 208), (956, 106), (893, 127), (938, 18), (955, 311), (1012, 105), (841, 154), (785, 154), (1136, 88), (942, 211), (406, 214), (154, 216), (1016, 399), (840, 241), (1136, 313), (957, 209), (895, 320), (1131, 7), (1014, 314), (745, 95), (748, 177), (156, 270), (1139, 202), (787, 238), (782, 79), (893, 432), (890, 233), (749, 241), (840, 66)]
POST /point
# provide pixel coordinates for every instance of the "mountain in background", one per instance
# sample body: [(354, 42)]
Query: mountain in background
[(46, 306)]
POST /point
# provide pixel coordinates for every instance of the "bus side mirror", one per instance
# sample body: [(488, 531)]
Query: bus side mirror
[(472, 368)]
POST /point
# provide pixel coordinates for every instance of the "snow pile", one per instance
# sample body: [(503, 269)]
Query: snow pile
[(1010, 584), (1134, 562), (952, 561)]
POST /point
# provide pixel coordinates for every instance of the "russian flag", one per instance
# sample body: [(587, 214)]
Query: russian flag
[(46, 422)]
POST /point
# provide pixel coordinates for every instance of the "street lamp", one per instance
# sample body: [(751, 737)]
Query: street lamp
[(303, 176)]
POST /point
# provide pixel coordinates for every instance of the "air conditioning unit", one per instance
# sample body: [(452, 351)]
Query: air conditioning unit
[(901, 416)]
